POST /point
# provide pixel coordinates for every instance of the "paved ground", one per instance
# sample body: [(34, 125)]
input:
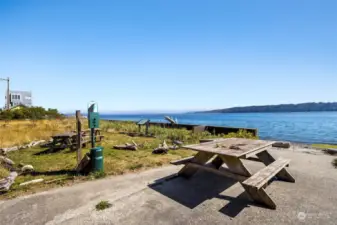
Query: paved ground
[(204, 199)]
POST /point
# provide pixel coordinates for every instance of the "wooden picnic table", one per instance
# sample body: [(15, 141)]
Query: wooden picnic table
[(231, 151), (69, 139)]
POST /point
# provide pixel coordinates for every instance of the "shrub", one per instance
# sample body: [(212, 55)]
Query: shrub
[(241, 134), (334, 163), (33, 113), (103, 205)]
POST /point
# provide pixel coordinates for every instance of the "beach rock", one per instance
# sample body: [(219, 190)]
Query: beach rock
[(27, 169), (281, 145)]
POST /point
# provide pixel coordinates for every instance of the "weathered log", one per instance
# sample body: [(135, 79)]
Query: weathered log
[(7, 182), (174, 147), (165, 145), (6, 161), (83, 164), (160, 150), (281, 145), (176, 142), (125, 147), (134, 143), (32, 182), (58, 179)]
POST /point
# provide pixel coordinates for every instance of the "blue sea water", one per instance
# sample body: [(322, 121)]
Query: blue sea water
[(306, 127)]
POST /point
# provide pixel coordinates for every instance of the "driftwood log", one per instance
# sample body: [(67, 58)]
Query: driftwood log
[(163, 148), (127, 146), (7, 182), (32, 182), (281, 145), (84, 165), (6, 162)]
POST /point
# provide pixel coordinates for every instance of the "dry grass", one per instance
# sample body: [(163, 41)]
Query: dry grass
[(3, 172), (22, 132)]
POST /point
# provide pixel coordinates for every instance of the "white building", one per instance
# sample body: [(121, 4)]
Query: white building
[(20, 98)]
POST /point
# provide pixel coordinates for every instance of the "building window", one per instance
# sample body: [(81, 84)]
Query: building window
[(19, 97)]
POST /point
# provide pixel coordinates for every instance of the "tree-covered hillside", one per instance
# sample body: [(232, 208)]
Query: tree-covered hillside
[(303, 107)]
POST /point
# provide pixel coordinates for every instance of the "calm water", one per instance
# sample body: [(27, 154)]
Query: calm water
[(309, 127)]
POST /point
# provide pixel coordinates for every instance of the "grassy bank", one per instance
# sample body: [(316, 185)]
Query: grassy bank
[(324, 146), (58, 167)]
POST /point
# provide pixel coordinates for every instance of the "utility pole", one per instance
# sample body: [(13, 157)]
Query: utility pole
[(7, 97)]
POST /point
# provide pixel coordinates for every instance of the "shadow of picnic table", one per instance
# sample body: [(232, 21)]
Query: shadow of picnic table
[(200, 188)]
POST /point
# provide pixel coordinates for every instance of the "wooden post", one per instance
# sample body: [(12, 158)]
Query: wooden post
[(147, 127), (79, 136)]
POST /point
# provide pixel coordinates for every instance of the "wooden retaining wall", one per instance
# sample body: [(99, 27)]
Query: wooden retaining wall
[(211, 129)]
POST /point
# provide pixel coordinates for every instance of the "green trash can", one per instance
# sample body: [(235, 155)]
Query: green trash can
[(96, 155)]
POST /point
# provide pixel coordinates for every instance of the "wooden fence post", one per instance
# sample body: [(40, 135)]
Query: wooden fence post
[(79, 136)]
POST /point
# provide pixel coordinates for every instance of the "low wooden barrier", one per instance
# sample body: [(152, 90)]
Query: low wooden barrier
[(212, 129)]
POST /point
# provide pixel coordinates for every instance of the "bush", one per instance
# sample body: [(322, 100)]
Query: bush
[(334, 163), (103, 205), (33, 113), (241, 134)]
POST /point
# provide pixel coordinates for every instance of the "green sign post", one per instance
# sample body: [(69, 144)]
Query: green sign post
[(93, 120), (96, 153)]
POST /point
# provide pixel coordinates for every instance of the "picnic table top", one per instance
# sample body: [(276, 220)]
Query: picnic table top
[(64, 135), (236, 147)]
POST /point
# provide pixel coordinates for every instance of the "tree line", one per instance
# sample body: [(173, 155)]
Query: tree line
[(303, 107), (34, 113)]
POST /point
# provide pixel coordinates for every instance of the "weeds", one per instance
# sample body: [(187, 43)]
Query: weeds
[(334, 163), (102, 205), (98, 175)]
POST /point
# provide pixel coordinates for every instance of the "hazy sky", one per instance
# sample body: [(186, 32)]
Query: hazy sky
[(169, 55)]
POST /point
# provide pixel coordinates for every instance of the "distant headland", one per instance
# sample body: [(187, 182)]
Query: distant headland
[(303, 107)]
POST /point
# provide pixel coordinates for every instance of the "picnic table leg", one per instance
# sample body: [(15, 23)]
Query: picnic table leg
[(267, 159), (200, 158), (217, 162), (235, 165), (259, 196)]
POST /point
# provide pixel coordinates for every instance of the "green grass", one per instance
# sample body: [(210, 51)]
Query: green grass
[(102, 205), (60, 165), (324, 146)]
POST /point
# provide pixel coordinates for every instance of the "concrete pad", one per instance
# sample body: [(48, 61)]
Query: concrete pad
[(149, 198)]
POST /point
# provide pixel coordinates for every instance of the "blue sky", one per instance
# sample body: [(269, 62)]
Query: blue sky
[(172, 55)]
